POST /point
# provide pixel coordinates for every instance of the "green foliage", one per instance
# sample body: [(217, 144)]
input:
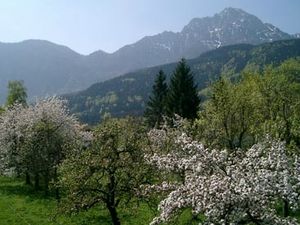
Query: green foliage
[(182, 98), (229, 113), (20, 204), (238, 114), (43, 152), (17, 93), (109, 171), (205, 68), (280, 90), (155, 109)]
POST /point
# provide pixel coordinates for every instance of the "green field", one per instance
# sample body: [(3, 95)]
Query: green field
[(20, 205)]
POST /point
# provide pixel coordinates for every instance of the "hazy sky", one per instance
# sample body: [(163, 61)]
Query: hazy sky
[(89, 25)]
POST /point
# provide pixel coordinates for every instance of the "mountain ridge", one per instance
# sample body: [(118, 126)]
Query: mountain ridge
[(48, 69), (128, 94)]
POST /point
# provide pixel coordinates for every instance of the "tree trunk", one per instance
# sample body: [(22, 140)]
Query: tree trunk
[(285, 208), (46, 178), (252, 219), (36, 181), (111, 203), (27, 179), (241, 137), (57, 195), (114, 215)]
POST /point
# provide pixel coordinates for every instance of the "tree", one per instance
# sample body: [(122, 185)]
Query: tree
[(280, 90), (229, 116), (109, 171), (10, 138), (35, 139), (16, 93), (226, 187), (238, 114), (182, 98), (156, 105)]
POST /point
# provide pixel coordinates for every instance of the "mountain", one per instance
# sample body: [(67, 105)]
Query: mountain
[(128, 94), (47, 68), (296, 35), (231, 26)]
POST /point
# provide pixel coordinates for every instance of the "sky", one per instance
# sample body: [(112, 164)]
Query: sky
[(89, 25)]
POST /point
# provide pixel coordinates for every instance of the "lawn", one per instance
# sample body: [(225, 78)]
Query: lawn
[(20, 205)]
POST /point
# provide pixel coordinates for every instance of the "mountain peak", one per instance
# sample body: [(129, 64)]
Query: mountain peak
[(234, 14), (225, 17), (231, 10), (59, 69), (99, 53), (230, 26)]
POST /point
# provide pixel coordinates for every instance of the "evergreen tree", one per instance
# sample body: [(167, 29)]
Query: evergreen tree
[(156, 104), (16, 93), (182, 98)]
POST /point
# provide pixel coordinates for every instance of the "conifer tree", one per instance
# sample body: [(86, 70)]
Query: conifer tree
[(182, 98), (156, 104)]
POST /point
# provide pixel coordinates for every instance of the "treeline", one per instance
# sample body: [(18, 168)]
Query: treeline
[(229, 159), (129, 93), (237, 112)]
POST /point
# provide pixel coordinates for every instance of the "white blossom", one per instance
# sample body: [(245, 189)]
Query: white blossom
[(226, 187), (19, 127)]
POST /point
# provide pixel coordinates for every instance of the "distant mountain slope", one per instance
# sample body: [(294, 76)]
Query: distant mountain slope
[(296, 35), (47, 68), (128, 94), (231, 26), (44, 66)]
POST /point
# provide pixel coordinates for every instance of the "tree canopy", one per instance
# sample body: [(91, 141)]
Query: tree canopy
[(35, 139), (17, 93), (238, 114), (109, 171), (223, 187)]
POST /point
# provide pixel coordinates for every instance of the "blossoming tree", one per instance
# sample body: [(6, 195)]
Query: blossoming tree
[(35, 139), (226, 187)]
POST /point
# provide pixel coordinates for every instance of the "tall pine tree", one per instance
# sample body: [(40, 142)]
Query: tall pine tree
[(156, 105), (182, 98)]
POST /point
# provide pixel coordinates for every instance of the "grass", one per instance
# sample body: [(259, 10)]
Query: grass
[(21, 205)]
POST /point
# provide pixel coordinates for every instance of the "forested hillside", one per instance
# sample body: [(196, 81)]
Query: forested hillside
[(128, 94)]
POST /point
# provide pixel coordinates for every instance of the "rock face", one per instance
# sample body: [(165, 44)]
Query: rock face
[(47, 68), (296, 35), (231, 26)]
